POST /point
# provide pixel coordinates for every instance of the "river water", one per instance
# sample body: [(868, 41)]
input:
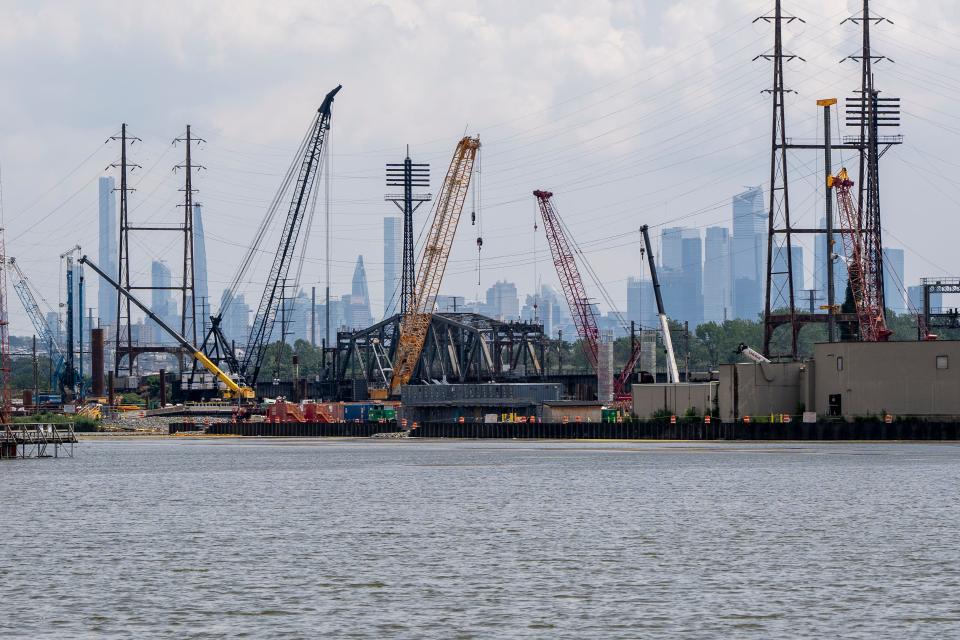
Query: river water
[(480, 539)]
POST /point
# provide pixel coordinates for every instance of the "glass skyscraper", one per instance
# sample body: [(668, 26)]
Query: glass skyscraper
[(392, 263), (717, 280), (200, 287), (748, 258), (107, 252), (682, 278), (893, 283), (161, 299)]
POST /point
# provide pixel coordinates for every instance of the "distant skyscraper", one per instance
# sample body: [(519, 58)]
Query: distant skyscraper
[(548, 308), (161, 299), (641, 303), (682, 277), (53, 321), (502, 301), (296, 316), (749, 253), (717, 294), (915, 299), (200, 287), (820, 262), (236, 319), (107, 253), (392, 263), (893, 282), (359, 315), (671, 251)]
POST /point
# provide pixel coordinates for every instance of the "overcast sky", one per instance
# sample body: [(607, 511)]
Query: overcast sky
[(631, 112)]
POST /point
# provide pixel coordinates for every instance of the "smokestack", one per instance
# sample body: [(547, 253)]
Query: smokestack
[(96, 361), (163, 387)]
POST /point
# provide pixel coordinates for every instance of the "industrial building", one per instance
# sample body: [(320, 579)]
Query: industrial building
[(843, 380)]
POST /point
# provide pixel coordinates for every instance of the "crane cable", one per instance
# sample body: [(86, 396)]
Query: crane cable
[(477, 204), (265, 225)]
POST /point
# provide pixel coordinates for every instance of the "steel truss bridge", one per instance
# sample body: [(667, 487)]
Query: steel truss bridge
[(459, 348)]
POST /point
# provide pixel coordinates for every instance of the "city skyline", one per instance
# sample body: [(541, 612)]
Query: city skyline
[(633, 149)]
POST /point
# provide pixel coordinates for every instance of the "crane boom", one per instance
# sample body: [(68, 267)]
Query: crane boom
[(449, 204), (672, 372), (576, 295), (22, 286), (570, 280), (273, 292), (234, 390), (862, 272)]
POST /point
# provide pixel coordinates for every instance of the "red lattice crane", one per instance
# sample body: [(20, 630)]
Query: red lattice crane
[(576, 294), (863, 271)]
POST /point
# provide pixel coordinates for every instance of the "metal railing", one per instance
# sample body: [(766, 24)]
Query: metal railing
[(37, 440)]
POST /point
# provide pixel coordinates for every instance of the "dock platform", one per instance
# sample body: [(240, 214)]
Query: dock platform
[(37, 440)]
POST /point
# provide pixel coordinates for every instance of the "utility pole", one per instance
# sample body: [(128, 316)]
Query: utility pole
[(560, 351), (828, 212), (36, 372), (123, 256), (408, 176), (778, 218), (80, 393)]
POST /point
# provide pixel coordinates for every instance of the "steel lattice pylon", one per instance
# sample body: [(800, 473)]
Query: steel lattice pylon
[(433, 262)]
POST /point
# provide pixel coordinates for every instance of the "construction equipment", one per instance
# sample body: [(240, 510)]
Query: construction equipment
[(433, 262), (283, 411), (57, 358), (673, 373), (862, 269), (576, 295), (234, 390), (744, 349), (302, 174)]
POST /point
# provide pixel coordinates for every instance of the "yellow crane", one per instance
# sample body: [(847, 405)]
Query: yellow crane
[(446, 214)]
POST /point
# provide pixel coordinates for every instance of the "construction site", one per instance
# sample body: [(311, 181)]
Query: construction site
[(425, 371)]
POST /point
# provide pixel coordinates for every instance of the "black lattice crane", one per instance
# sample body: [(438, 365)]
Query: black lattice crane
[(302, 177)]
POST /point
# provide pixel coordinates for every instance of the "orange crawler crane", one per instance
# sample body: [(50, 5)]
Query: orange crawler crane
[(864, 274), (433, 262)]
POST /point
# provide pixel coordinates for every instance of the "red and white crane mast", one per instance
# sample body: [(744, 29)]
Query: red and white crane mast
[(576, 295), (862, 269)]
